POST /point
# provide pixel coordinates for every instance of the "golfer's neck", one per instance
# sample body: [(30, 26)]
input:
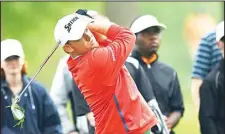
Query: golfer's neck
[(74, 55), (15, 82)]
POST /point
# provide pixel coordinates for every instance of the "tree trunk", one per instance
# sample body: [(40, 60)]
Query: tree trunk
[(122, 13)]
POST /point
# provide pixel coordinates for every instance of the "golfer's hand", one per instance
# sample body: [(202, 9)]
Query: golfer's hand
[(96, 27), (91, 119), (100, 25), (88, 13)]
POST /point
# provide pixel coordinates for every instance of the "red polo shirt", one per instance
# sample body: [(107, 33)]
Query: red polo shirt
[(109, 89)]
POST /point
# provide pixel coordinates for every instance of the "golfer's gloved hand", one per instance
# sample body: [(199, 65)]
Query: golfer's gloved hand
[(82, 11), (87, 13)]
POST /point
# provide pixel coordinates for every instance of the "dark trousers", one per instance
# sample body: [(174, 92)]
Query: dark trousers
[(91, 129)]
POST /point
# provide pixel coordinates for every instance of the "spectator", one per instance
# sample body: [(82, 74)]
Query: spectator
[(63, 90), (207, 57), (163, 78), (41, 116), (212, 94)]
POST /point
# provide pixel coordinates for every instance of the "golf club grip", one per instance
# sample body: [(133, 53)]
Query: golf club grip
[(163, 124), (41, 66), (155, 108)]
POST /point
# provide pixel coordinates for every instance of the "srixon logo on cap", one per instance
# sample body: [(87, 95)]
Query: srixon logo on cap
[(68, 26)]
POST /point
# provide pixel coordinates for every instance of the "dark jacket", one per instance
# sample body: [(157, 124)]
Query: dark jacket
[(212, 102), (140, 78), (78, 103), (41, 116), (79, 107), (164, 82)]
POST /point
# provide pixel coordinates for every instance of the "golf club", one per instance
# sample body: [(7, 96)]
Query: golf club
[(155, 108), (17, 99)]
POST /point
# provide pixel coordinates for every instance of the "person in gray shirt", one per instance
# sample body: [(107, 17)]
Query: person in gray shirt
[(64, 89)]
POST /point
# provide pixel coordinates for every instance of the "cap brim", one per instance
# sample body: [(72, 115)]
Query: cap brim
[(162, 26), (11, 54), (137, 30)]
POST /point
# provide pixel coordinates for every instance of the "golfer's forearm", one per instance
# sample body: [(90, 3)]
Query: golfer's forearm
[(195, 86), (174, 118)]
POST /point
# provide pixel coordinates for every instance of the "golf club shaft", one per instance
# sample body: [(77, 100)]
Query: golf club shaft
[(42, 65), (155, 108)]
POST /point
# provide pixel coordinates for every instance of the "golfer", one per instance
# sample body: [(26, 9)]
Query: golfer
[(97, 66)]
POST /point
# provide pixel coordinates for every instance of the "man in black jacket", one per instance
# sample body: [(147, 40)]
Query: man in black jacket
[(144, 86), (212, 94), (140, 78), (163, 79)]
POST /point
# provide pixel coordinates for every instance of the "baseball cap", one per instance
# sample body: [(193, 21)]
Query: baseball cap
[(70, 27), (219, 31), (144, 22), (10, 47)]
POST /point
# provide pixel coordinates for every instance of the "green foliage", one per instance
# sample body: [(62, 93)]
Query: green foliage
[(33, 24), (18, 114)]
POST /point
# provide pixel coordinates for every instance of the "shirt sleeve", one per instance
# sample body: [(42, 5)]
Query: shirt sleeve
[(203, 59), (176, 98), (207, 114), (110, 59), (61, 86)]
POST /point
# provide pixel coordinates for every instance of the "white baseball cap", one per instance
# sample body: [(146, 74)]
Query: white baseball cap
[(219, 31), (71, 27), (144, 22), (10, 47)]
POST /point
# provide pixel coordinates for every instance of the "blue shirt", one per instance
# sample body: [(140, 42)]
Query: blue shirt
[(207, 57), (41, 116)]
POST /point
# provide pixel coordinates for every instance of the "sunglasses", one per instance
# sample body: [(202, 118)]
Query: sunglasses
[(10, 58)]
